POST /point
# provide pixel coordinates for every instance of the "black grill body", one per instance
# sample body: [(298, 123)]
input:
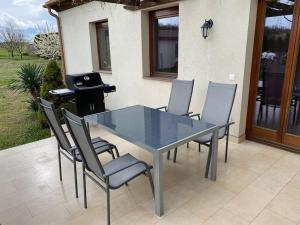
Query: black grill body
[(89, 92)]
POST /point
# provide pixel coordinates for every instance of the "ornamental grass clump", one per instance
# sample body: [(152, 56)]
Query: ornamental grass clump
[(29, 80)]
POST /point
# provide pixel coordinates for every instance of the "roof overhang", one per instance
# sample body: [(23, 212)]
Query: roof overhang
[(61, 5)]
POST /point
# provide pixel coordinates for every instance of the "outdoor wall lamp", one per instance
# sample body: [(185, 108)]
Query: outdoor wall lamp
[(205, 27)]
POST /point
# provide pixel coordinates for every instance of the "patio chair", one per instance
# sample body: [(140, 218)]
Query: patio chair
[(111, 175), (217, 109), (179, 102), (63, 145)]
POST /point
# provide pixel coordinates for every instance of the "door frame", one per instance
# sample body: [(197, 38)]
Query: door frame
[(277, 137)]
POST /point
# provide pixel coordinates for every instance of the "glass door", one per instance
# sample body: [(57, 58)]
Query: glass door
[(291, 134), (271, 103)]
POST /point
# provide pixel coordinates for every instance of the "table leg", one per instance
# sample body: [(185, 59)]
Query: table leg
[(158, 184), (214, 155)]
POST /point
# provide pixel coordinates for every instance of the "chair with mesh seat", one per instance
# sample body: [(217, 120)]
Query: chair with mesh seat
[(179, 101), (63, 145), (111, 175), (217, 110)]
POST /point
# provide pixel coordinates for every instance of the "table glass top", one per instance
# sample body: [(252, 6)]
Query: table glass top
[(149, 128)]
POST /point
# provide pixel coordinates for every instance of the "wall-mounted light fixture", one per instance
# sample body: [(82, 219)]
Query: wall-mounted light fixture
[(206, 26)]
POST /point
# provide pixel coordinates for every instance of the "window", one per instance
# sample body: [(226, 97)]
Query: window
[(103, 45), (164, 26)]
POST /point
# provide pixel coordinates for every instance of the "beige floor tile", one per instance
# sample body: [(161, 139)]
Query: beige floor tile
[(16, 215), (93, 216), (7, 188), (225, 217), (236, 179), (295, 182), (137, 216), (273, 180), (44, 204), (257, 163), (32, 194), (249, 203), (180, 216), (287, 203), (209, 201), (54, 216), (267, 217)]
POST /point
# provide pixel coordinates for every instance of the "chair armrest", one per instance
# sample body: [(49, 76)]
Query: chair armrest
[(126, 167), (187, 114), (163, 107), (226, 125), (194, 115)]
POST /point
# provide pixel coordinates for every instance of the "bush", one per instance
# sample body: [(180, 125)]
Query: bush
[(33, 105), (52, 79)]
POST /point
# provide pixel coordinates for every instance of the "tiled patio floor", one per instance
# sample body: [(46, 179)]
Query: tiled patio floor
[(259, 185)]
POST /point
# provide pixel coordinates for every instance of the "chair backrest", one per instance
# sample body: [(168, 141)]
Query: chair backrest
[(180, 98), (82, 140), (273, 88), (54, 123), (218, 104)]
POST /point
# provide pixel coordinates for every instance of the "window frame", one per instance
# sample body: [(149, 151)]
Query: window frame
[(98, 25), (154, 15)]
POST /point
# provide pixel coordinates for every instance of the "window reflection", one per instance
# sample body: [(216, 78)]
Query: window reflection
[(103, 46), (293, 126), (166, 43), (278, 23)]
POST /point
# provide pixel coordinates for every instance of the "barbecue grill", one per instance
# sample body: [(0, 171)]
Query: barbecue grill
[(87, 91)]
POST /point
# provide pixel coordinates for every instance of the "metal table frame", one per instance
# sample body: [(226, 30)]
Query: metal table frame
[(158, 160)]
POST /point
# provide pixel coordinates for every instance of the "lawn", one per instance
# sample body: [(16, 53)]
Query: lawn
[(17, 124)]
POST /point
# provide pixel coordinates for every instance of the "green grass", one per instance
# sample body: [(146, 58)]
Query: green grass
[(17, 124)]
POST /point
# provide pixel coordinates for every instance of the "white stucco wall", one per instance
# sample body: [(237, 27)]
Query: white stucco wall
[(228, 49)]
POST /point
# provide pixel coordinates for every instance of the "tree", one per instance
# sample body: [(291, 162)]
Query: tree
[(20, 43), (46, 42), (12, 39), (7, 37)]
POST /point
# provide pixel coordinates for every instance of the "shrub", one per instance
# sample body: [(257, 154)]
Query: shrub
[(33, 105), (29, 79), (52, 79)]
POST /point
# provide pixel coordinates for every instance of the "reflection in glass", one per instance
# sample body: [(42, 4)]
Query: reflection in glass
[(147, 127), (278, 23), (166, 44), (104, 49), (293, 126)]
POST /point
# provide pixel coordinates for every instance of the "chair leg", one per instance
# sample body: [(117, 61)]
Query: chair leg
[(175, 155), (199, 147), (84, 186), (226, 150), (75, 176), (117, 151), (108, 201), (208, 162), (151, 181), (112, 154), (188, 145), (168, 155), (59, 163)]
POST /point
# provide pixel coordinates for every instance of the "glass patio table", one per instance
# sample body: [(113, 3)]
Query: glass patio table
[(157, 132)]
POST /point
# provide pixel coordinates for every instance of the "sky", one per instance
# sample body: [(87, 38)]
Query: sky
[(26, 15)]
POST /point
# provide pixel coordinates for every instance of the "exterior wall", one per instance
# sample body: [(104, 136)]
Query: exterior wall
[(227, 50)]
